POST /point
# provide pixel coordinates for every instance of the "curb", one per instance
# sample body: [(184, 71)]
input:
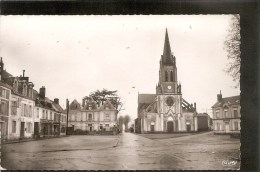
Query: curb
[(28, 140)]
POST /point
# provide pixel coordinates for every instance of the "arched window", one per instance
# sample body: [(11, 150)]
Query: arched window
[(166, 75), (171, 75)]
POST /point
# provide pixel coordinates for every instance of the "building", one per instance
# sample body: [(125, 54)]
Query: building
[(203, 122), (90, 116), (5, 97), (226, 115), (166, 111), (24, 112), (21, 117), (59, 118), (48, 114)]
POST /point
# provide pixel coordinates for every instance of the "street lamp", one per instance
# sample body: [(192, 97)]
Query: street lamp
[(67, 106)]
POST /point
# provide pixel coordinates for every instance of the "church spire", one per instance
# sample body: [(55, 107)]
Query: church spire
[(167, 47)]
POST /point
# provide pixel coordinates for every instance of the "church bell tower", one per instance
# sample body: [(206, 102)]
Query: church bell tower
[(168, 71)]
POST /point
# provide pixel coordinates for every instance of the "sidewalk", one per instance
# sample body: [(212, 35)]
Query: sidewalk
[(31, 139)]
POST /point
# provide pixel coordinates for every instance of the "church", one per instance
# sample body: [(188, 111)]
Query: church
[(166, 111)]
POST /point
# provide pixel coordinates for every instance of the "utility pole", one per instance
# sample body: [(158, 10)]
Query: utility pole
[(67, 106)]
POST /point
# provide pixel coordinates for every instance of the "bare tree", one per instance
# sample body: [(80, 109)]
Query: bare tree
[(121, 122), (232, 46), (126, 121)]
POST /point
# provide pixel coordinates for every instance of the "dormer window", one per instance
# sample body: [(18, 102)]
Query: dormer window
[(15, 86), (90, 107), (24, 89)]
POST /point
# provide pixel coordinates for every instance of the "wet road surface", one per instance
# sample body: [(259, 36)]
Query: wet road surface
[(125, 152)]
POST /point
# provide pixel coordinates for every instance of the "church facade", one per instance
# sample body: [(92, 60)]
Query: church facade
[(166, 111)]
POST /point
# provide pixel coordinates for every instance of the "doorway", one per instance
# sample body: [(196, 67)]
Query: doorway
[(188, 127), (152, 128), (36, 129), (170, 126), (22, 130), (2, 130), (227, 127)]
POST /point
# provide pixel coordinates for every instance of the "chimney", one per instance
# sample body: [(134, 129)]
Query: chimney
[(23, 72), (195, 105), (219, 96), (42, 92), (56, 100)]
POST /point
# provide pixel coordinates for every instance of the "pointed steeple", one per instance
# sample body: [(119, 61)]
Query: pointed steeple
[(167, 47), (167, 54)]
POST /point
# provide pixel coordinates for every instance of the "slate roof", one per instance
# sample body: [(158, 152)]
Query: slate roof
[(5, 85), (107, 104), (75, 105), (6, 74), (144, 100), (234, 100), (57, 107)]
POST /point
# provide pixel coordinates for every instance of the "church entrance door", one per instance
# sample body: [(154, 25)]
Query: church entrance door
[(170, 126), (152, 128)]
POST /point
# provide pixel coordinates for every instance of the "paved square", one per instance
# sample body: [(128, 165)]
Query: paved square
[(125, 152)]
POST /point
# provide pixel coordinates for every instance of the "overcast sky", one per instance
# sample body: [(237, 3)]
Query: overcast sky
[(75, 55)]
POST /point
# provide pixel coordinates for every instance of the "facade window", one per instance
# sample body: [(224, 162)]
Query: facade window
[(37, 112), (107, 125), (235, 113), (25, 110), (72, 117), (4, 108), (43, 114), (101, 126), (47, 114), (90, 117), (3, 92), (235, 125), (107, 116), (7, 94), (225, 113), (30, 111), (14, 108), (217, 114), (218, 127), (14, 127)]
